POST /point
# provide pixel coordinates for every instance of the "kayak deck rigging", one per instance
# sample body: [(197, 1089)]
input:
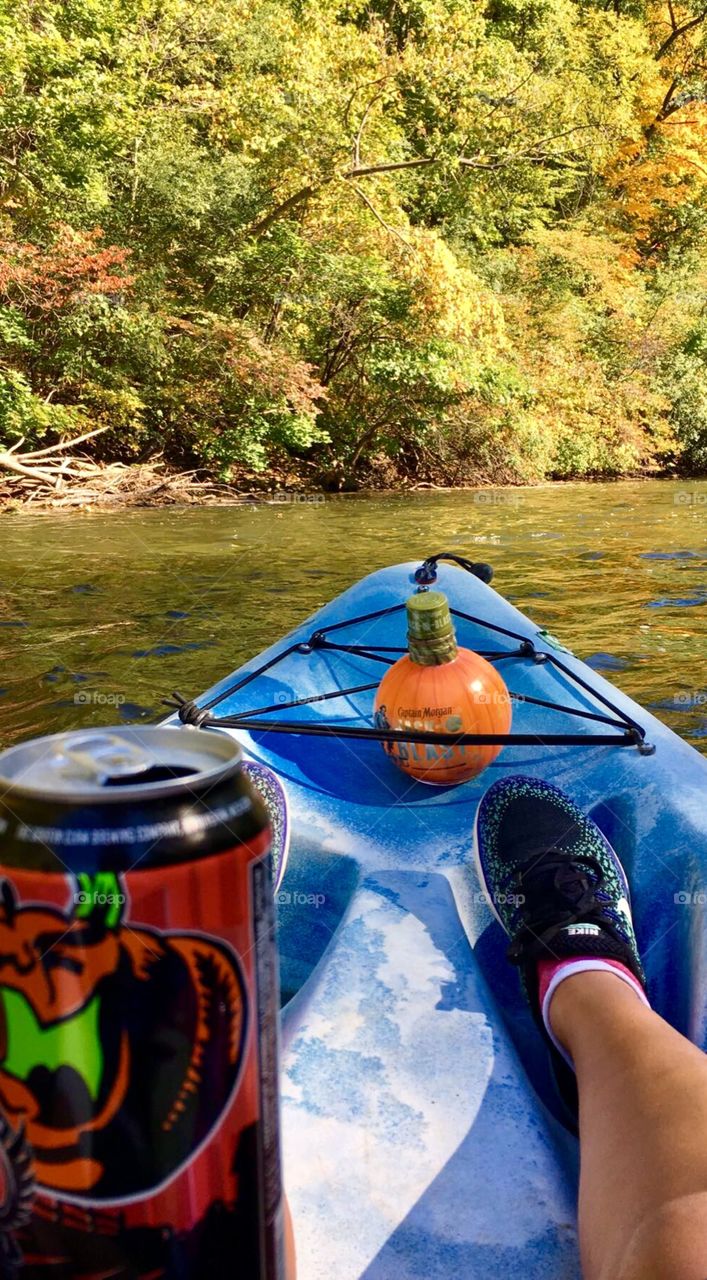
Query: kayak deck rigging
[(201, 715)]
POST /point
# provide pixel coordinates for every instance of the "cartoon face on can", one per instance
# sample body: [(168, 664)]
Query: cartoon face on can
[(120, 1045), (139, 1009)]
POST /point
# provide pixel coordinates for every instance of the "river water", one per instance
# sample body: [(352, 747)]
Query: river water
[(101, 615)]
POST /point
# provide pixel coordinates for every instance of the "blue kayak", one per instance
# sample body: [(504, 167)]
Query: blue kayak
[(423, 1136)]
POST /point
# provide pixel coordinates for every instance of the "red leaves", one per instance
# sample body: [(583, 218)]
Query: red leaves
[(54, 278), (223, 351), (271, 370)]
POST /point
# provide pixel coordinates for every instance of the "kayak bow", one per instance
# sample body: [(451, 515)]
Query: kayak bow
[(422, 1133)]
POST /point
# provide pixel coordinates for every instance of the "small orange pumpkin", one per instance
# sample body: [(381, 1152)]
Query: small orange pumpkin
[(440, 688)]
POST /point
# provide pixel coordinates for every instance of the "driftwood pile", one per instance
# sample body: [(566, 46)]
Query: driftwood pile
[(55, 478)]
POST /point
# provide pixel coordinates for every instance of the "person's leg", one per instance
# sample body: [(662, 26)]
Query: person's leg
[(559, 891), (290, 1252), (643, 1134)]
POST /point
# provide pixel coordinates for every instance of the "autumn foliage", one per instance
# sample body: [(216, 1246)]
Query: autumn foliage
[(47, 280), (364, 240)]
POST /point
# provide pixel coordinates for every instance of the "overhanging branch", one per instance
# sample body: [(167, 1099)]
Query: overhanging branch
[(677, 32), (305, 193), (362, 171), (490, 163)]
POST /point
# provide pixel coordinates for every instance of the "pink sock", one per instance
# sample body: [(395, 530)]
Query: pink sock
[(552, 972)]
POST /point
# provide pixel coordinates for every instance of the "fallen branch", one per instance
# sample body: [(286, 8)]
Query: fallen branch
[(9, 462), (49, 478), (66, 444)]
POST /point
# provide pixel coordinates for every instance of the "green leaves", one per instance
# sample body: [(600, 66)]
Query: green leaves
[(25, 415), (322, 232)]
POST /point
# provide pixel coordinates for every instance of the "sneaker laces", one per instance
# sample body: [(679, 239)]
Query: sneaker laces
[(555, 891)]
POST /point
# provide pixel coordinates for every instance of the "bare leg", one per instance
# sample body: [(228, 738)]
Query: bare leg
[(643, 1134), (290, 1257)]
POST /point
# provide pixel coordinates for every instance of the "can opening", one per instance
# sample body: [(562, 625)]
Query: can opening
[(157, 773), (115, 762)]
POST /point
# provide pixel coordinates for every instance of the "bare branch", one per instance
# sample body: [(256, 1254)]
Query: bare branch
[(67, 444), (466, 163), (508, 98), (8, 462), (364, 170), (671, 11), (686, 101), (364, 118), (367, 84), (552, 137), (680, 31), (386, 226), (489, 163), (558, 161), (667, 100), (259, 228)]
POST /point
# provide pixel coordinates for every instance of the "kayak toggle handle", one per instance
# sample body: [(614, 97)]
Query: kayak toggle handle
[(426, 575), (188, 711)]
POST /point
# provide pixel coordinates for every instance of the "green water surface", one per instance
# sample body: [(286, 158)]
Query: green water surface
[(101, 615)]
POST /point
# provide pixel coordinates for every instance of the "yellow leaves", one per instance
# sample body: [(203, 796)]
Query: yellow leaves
[(596, 425), (662, 164), (628, 258), (589, 330), (626, 154), (451, 300), (602, 260), (666, 172)]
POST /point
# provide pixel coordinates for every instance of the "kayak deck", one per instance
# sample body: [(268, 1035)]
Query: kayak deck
[(422, 1134)]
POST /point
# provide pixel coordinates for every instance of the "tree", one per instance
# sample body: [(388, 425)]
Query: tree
[(348, 236)]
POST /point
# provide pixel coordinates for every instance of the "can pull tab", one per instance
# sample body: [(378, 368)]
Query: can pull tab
[(103, 760)]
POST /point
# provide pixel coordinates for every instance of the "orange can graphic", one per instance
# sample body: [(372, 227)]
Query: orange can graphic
[(139, 1130)]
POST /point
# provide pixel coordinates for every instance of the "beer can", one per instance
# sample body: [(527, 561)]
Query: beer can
[(139, 1005)]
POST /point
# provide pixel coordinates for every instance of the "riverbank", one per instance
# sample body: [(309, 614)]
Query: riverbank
[(114, 486), (85, 485), (77, 484)]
